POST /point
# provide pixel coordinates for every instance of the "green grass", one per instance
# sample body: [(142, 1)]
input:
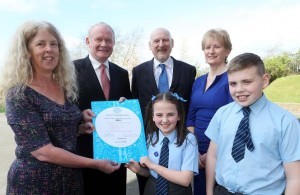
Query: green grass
[(285, 89)]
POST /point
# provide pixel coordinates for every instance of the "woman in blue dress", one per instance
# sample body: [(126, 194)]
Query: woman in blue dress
[(209, 92), (39, 86)]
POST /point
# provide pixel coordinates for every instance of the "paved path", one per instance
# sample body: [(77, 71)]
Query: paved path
[(7, 155)]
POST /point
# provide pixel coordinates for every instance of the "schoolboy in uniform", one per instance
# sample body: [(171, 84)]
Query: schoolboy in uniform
[(261, 154)]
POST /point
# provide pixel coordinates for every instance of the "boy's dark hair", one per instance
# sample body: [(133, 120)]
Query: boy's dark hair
[(150, 124), (244, 61)]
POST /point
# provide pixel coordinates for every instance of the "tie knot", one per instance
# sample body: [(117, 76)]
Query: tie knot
[(162, 66), (165, 141), (246, 111), (102, 67)]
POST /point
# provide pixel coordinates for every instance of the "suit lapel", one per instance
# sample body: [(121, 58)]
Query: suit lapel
[(113, 79), (176, 75), (150, 76), (94, 83)]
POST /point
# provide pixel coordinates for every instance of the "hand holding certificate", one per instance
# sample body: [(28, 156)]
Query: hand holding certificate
[(119, 134)]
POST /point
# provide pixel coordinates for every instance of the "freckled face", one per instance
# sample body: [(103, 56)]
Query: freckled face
[(165, 116), (44, 51), (246, 86)]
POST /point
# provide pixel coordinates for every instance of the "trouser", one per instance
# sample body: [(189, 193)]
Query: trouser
[(142, 183), (220, 190)]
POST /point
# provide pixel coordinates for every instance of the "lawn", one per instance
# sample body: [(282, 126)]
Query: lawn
[(285, 89)]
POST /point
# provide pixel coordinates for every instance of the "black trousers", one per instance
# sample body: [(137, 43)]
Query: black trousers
[(220, 190), (142, 183), (97, 182)]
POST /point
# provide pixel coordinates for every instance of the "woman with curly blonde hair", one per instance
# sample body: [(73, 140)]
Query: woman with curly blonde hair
[(40, 91), (18, 70)]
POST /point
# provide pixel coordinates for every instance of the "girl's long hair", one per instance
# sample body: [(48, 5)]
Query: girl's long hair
[(152, 129)]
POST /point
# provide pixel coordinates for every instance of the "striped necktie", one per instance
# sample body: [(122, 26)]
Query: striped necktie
[(162, 183), (242, 137)]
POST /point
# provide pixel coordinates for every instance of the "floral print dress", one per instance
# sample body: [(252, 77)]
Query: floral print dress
[(36, 122)]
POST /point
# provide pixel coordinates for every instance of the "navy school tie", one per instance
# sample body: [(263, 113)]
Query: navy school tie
[(163, 85), (162, 183), (242, 137)]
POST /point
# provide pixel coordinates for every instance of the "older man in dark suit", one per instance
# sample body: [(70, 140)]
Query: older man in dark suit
[(99, 80), (146, 76)]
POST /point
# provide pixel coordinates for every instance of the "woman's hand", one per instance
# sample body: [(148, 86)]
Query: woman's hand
[(202, 160), (107, 166), (85, 128), (87, 115)]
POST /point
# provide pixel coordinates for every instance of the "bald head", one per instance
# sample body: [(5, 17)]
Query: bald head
[(161, 44), (160, 31)]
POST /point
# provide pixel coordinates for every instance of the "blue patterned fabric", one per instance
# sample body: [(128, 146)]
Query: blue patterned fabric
[(163, 85)]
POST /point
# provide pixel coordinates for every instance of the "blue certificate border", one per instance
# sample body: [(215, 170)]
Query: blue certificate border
[(102, 150)]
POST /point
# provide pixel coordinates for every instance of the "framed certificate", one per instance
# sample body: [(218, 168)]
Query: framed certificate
[(119, 134)]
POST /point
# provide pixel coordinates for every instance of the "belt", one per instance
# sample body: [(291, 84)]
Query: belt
[(220, 190)]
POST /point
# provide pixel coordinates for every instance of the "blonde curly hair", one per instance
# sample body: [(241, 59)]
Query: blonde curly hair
[(18, 72)]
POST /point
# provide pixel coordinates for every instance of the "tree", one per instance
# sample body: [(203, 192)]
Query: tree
[(278, 66), (80, 50), (295, 63), (126, 49)]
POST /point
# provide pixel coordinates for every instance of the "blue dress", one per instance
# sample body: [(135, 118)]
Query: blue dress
[(36, 122), (203, 106)]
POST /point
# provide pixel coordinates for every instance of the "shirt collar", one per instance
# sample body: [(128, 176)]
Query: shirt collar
[(172, 136), (256, 107), (96, 64), (168, 62)]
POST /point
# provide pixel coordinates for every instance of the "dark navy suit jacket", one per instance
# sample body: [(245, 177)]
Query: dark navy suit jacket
[(144, 85)]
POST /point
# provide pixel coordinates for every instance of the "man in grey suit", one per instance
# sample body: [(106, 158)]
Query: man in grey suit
[(145, 77), (100, 40)]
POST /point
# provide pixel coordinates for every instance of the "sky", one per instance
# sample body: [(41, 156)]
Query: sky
[(257, 26)]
